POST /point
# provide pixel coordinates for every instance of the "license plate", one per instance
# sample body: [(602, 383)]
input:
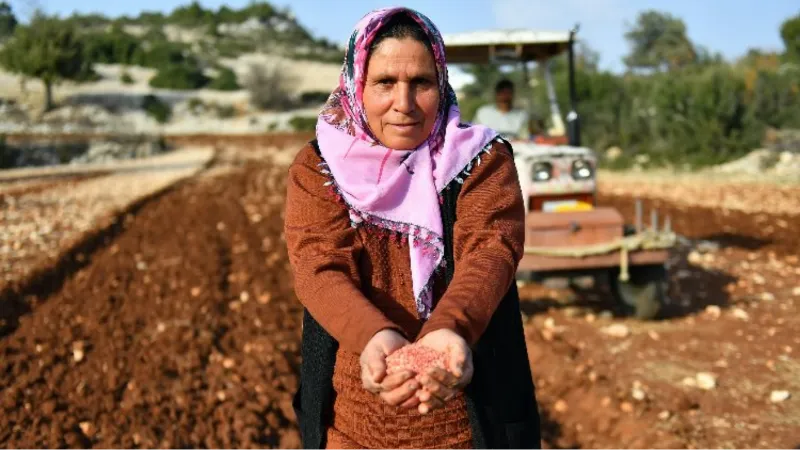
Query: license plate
[(566, 206)]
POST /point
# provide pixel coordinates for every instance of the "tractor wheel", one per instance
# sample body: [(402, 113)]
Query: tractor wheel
[(643, 295)]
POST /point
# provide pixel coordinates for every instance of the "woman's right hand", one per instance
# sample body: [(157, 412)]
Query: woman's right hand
[(397, 389)]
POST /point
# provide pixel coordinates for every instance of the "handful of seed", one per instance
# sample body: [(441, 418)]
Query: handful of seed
[(416, 358)]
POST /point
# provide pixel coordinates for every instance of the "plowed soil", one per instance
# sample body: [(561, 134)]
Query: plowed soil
[(181, 332), (180, 329)]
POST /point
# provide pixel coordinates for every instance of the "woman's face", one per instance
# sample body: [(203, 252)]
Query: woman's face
[(401, 94)]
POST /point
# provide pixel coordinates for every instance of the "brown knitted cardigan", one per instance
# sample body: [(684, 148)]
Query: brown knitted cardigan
[(356, 282)]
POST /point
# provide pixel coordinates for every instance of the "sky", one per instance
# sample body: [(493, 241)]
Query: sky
[(730, 27)]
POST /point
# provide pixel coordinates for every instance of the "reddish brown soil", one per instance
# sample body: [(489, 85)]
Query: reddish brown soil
[(586, 379), (178, 328), (181, 332)]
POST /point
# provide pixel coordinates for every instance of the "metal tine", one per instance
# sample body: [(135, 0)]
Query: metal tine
[(654, 220), (638, 215)]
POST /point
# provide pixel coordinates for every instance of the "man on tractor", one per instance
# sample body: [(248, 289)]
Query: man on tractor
[(502, 116)]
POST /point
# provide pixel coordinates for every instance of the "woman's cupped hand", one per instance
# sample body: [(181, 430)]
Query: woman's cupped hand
[(406, 389)]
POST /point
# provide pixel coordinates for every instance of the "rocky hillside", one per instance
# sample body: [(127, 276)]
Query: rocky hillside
[(193, 70)]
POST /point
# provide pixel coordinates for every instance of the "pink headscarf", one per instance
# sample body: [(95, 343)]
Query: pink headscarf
[(397, 190)]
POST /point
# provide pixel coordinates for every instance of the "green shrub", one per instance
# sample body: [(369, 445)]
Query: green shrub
[(225, 81), (191, 15), (225, 111), (195, 105), (156, 108), (183, 77), (299, 123), (231, 48), (113, 47), (314, 97), (126, 78), (162, 54)]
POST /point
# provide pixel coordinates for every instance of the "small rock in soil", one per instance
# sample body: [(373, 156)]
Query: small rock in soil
[(706, 380), (87, 428), (740, 314), (707, 246), (617, 330), (767, 296), (720, 422), (664, 415), (713, 311), (779, 396), (689, 381), (561, 406), (626, 407)]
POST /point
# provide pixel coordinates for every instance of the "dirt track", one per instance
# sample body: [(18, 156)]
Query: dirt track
[(181, 330)]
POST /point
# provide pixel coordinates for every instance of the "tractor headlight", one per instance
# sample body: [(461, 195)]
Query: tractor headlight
[(582, 170), (542, 171)]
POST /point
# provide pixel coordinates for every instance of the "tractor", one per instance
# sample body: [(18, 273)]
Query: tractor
[(568, 234)]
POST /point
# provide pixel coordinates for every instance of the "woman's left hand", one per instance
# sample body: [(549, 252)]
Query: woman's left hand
[(440, 386)]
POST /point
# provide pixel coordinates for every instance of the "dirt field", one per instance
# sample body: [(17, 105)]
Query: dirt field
[(179, 328)]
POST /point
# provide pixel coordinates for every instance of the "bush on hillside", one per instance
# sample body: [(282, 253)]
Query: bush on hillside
[(114, 47), (314, 97), (269, 87), (163, 54), (126, 78), (183, 77), (225, 111), (225, 81), (156, 108), (302, 124)]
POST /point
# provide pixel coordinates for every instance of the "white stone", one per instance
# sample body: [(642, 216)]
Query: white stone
[(706, 380), (779, 396), (617, 330)]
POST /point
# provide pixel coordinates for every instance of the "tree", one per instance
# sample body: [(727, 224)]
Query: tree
[(8, 21), (790, 33), (48, 49), (191, 14), (659, 42)]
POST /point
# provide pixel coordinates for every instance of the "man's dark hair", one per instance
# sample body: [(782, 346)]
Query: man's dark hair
[(503, 85), (401, 26)]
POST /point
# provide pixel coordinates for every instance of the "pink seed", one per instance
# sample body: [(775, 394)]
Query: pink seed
[(416, 358)]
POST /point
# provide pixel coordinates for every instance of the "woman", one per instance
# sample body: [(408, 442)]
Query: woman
[(370, 229)]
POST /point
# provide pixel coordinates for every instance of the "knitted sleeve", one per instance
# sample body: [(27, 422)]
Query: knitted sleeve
[(488, 244), (323, 252)]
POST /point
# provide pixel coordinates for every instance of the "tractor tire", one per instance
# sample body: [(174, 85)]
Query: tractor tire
[(643, 295)]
